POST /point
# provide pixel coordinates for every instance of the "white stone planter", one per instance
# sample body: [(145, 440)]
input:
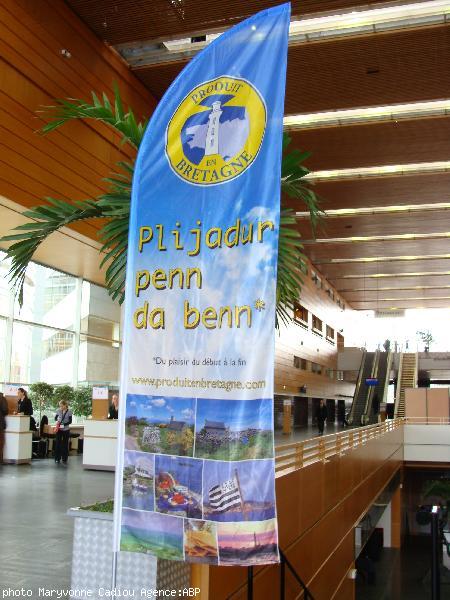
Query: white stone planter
[(92, 562)]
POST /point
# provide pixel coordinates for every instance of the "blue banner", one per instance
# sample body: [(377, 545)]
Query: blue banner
[(196, 478)]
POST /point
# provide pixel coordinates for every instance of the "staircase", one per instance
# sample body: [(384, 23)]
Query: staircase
[(407, 378)]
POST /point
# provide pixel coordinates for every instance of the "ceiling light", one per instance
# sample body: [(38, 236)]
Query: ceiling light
[(380, 171), (380, 238), (368, 259), (391, 289), (387, 275), (324, 27), (377, 210), (404, 299), (370, 114)]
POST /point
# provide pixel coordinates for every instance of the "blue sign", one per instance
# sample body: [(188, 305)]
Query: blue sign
[(196, 474), (371, 381)]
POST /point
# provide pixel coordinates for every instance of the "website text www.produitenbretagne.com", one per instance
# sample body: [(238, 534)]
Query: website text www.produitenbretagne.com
[(183, 382)]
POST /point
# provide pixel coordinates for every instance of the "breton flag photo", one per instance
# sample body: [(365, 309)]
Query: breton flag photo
[(225, 496)]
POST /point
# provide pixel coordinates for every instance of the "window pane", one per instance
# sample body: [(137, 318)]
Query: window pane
[(41, 354), (49, 298)]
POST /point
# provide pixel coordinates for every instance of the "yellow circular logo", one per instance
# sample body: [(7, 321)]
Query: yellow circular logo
[(216, 132)]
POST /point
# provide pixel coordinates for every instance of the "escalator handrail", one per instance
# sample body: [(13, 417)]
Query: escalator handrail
[(370, 392)]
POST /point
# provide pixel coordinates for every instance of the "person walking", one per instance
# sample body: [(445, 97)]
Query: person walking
[(24, 405), (3, 413), (63, 419), (322, 414)]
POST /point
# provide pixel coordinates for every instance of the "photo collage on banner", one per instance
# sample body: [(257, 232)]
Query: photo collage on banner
[(196, 461), (180, 462)]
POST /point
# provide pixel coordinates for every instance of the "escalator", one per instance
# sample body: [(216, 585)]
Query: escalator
[(361, 391), (367, 399), (379, 391)]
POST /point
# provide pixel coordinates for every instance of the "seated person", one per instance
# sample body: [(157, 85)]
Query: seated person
[(114, 407)]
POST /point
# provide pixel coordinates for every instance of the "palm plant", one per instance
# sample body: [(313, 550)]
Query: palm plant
[(114, 207)]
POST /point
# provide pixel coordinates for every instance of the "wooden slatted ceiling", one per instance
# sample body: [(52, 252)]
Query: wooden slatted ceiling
[(383, 191), (391, 143), (123, 21), (382, 224), (408, 66), (379, 249), (387, 68), (335, 272), (379, 294), (401, 304), (367, 284)]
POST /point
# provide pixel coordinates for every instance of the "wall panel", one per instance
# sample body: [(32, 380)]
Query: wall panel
[(296, 340), (69, 163)]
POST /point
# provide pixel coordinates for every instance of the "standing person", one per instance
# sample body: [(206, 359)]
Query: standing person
[(114, 407), (3, 413), (322, 414), (24, 405), (376, 404), (63, 419)]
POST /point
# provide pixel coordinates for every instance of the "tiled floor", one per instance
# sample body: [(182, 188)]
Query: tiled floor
[(35, 533)]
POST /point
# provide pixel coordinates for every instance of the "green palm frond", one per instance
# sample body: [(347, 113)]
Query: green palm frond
[(293, 182), (114, 115), (45, 220), (114, 234), (290, 248), (114, 207)]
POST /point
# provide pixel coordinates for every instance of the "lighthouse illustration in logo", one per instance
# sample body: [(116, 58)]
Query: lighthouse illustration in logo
[(212, 133)]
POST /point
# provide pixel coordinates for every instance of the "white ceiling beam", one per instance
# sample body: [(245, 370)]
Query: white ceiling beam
[(319, 27)]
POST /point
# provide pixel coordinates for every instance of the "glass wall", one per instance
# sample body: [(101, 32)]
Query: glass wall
[(67, 331)]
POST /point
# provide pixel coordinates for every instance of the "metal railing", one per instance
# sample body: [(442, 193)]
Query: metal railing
[(290, 457), (284, 562)]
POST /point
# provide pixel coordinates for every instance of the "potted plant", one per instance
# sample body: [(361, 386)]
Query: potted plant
[(42, 394), (426, 338), (82, 401)]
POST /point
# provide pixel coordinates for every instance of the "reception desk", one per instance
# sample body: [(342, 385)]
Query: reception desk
[(100, 444), (18, 438)]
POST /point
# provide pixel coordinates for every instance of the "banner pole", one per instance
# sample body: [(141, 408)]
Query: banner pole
[(114, 570), (249, 583)]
